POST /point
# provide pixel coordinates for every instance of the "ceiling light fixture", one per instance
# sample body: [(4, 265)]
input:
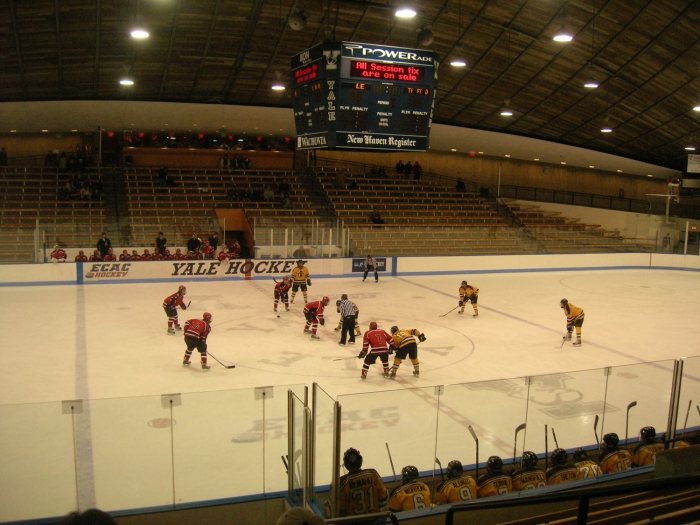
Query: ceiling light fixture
[(505, 110), (458, 59), (405, 11), (139, 33), (690, 148), (697, 108), (126, 81), (590, 82), (278, 85), (563, 35)]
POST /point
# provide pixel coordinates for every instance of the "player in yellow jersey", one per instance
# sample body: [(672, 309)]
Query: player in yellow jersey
[(494, 482), (587, 468), (529, 476), (457, 488), (300, 278), (406, 345), (362, 491), (561, 471), (645, 452), (468, 293), (574, 319), (613, 458), (412, 494)]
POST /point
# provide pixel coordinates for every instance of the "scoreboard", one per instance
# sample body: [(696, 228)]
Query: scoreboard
[(348, 95)]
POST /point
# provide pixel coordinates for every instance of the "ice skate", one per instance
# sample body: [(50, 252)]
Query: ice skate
[(205, 366), (341, 344), (416, 373), (385, 374), (286, 308), (577, 343), (336, 329), (352, 342), (460, 312), (178, 327), (307, 329), (314, 336), (364, 377), (393, 374), (185, 362), (171, 331), (476, 314)]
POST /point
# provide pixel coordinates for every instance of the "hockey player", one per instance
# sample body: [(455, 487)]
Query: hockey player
[(110, 256), (168, 256), (95, 257), (314, 315), (135, 255), (81, 257), (208, 250), (574, 318), (179, 256), (362, 491), (370, 266), (348, 319), (224, 254), (529, 476), (170, 305), (457, 488), (587, 468), (157, 256), (300, 278), (146, 255), (468, 293), (406, 345), (196, 333), (58, 255), (613, 458), (645, 452), (124, 256), (494, 482), (411, 494), (560, 472), (375, 343), (281, 292)]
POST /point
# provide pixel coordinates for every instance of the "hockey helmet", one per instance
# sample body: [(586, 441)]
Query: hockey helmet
[(454, 469), (580, 454), (494, 465), (352, 459), (563, 303), (325, 300), (300, 263), (178, 251), (647, 434), (145, 250), (394, 329), (95, 252), (81, 252), (207, 317), (344, 297), (408, 474), (285, 278), (611, 440), (124, 251), (182, 289), (372, 325), (464, 283), (529, 459), (167, 252), (559, 457), (133, 252)]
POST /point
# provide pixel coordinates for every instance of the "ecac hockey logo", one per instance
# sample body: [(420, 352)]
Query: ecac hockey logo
[(107, 270)]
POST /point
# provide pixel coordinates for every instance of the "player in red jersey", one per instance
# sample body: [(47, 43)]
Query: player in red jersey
[(314, 315), (281, 292), (179, 256), (124, 256), (375, 343), (168, 256), (135, 255), (235, 250), (58, 255), (207, 250), (170, 305), (95, 256), (109, 256), (224, 254), (196, 332), (157, 256), (81, 257), (146, 255)]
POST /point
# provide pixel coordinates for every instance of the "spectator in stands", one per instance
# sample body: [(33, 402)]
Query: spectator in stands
[(460, 185), (375, 218), (109, 256), (135, 255), (3, 157), (124, 256), (161, 243), (89, 517), (399, 168), (268, 194), (163, 176), (417, 170), (300, 252), (104, 244), (353, 185), (224, 162), (146, 256), (408, 170), (214, 240), (62, 162), (284, 187), (58, 255), (381, 172), (194, 243), (245, 163), (95, 257), (84, 193), (287, 202), (81, 257)]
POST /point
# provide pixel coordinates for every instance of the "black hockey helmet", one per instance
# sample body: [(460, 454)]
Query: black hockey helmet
[(394, 329), (344, 297), (494, 465), (300, 263), (454, 469), (563, 303), (611, 440), (559, 457), (464, 283), (352, 459), (408, 474), (647, 434), (580, 454), (529, 459)]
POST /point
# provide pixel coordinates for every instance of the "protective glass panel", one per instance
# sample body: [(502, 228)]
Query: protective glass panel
[(131, 451), (297, 462), (567, 403), (323, 432), (33, 436), (688, 411), (639, 395)]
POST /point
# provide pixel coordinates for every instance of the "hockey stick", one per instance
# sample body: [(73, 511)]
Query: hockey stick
[(546, 449), (286, 466), (215, 359), (344, 358), (563, 340), (627, 419), (555, 438), (515, 444), (391, 461), (443, 315), (442, 475), (685, 424), (595, 431), (471, 431)]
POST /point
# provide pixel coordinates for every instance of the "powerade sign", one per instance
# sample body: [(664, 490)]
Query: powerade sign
[(358, 265)]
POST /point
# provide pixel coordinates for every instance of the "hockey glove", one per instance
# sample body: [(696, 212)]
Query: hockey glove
[(391, 350), (184, 306), (308, 281), (322, 321), (362, 355), (421, 337)]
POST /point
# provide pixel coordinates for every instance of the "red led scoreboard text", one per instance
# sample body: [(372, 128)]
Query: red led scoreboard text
[(377, 71), (305, 74)]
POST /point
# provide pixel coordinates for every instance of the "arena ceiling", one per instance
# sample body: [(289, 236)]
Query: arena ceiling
[(644, 54)]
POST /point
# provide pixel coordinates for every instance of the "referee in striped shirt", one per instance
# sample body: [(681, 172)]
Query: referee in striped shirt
[(348, 312)]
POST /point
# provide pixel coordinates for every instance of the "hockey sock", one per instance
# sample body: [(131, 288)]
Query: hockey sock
[(578, 333), (293, 294), (170, 324), (397, 364), (188, 354), (365, 369), (203, 356), (306, 300), (415, 364), (476, 310), (276, 301)]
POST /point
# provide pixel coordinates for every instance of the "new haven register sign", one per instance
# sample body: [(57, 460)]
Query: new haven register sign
[(348, 95)]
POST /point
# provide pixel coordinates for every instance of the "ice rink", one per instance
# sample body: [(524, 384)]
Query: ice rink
[(104, 341)]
